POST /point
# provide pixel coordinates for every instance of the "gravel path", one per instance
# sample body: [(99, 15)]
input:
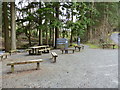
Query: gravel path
[(90, 68)]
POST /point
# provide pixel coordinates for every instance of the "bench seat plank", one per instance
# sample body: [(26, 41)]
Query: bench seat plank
[(4, 54), (25, 62), (54, 55), (66, 50)]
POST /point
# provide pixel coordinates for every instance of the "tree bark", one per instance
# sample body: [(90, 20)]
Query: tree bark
[(6, 29), (13, 26), (71, 36), (40, 30), (91, 27), (56, 28), (50, 31)]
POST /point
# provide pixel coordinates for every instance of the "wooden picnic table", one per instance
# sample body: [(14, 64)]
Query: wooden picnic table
[(108, 45), (35, 49), (79, 47), (66, 50)]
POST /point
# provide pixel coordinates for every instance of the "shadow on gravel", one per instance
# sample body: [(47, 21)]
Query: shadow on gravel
[(32, 55), (24, 71)]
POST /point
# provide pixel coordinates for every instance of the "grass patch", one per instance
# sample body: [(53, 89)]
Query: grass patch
[(73, 44), (93, 46)]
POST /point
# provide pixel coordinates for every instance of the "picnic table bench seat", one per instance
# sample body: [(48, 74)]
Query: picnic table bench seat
[(13, 51), (36, 50), (79, 47), (66, 50), (4, 55), (54, 56), (24, 62)]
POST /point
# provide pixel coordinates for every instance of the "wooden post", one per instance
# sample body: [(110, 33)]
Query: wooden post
[(54, 60), (12, 68), (37, 65), (73, 51)]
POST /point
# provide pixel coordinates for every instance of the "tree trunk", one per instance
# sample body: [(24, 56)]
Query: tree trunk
[(29, 33), (47, 36), (91, 27), (56, 28), (53, 41), (40, 30), (50, 31), (13, 26), (6, 29), (71, 36)]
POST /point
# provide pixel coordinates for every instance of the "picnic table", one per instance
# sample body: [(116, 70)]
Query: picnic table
[(79, 47), (66, 50), (108, 45), (38, 49)]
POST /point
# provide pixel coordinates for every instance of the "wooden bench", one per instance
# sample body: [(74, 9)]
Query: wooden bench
[(108, 45), (54, 55), (4, 55), (79, 47), (24, 62), (66, 50), (13, 51)]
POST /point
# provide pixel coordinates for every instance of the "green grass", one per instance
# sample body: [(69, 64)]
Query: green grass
[(93, 46), (73, 44)]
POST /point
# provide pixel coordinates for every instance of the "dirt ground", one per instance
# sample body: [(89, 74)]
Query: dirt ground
[(89, 68)]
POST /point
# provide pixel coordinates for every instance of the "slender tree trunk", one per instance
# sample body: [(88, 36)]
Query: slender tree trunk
[(71, 36), (47, 37), (29, 35), (13, 26), (6, 29), (91, 27), (50, 31), (56, 28), (40, 30), (53, 41)]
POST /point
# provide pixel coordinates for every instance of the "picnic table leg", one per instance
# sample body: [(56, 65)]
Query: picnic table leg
[(54, 60), (35, 51), (66, 51), (32, 51), (40, 52), (12, 68), (113, 46), (1, 57), (73, 51), (10, 53), (29, 52), (62, 51), (82, 47), (6, 56), (75, 47), (38, 65), (103, 46)]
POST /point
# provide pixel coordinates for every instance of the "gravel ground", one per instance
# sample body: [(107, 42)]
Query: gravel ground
[(90, 68)]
